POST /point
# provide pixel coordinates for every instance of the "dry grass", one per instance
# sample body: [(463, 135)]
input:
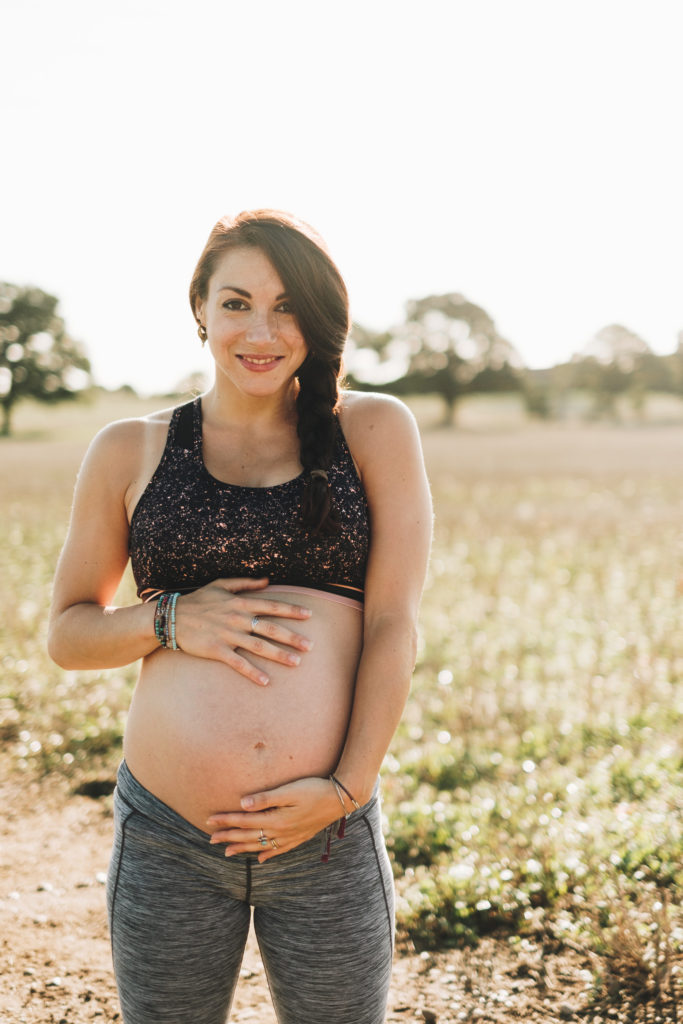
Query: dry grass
[(640, 970)]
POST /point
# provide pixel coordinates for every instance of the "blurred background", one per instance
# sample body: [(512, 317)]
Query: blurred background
[(500, 184)]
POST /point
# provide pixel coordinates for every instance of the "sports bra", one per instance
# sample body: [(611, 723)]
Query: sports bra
[(188, 528)]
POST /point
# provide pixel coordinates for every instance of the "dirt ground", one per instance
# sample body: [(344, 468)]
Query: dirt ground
[(55, 961)]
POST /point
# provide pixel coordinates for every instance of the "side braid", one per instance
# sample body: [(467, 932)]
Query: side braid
[(316, 401)]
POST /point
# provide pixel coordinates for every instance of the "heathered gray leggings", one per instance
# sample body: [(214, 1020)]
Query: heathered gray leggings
[(179, 914)]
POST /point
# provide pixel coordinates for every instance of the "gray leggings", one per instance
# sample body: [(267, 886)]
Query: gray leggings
[(179, 914)]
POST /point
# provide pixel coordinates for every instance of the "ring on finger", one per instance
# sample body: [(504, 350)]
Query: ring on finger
[(263, 838), (274, 844), (254, 623)]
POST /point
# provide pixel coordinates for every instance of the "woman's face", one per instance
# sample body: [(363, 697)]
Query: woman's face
[(252, 332)]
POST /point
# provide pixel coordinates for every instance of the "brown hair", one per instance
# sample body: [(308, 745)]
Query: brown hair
[(320, 302)]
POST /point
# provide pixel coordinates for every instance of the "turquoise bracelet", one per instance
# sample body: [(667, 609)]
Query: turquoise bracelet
[(164, 620)]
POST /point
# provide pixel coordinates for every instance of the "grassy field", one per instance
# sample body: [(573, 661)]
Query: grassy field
[(536, 783)]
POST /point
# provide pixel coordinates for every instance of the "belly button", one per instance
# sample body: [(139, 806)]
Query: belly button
[(259, 746)]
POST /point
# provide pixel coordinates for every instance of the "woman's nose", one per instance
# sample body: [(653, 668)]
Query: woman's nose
[(261, 328)]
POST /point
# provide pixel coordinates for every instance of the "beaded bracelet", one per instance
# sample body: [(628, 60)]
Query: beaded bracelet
[(171, 622), (160, 617), (164, 620)]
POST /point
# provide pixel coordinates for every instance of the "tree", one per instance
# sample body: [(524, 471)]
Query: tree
[(38, 359), (447, 346), (613, 363), (615, 345)]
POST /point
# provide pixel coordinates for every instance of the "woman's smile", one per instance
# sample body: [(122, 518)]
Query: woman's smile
[(259, 364)]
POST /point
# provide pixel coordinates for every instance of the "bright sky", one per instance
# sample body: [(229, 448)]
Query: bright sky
[(527, 153)]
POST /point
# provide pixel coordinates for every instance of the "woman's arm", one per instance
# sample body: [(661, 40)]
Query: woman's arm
[(384, 440), (86, 632)]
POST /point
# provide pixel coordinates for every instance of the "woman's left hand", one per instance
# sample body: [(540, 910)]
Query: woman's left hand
[(285, 817)]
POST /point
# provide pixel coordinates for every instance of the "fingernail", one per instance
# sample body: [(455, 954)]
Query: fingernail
[(263, 680), (247, 801), (306, 645), (293, 659)]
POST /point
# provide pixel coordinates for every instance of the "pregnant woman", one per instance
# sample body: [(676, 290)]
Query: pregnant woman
[(278, 529)]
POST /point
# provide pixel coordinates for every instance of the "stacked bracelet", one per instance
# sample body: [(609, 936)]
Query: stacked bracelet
[(339, 795), (341, 824), (164, 620), (341, 788)]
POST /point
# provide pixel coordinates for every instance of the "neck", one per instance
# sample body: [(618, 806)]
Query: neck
[(233, 408)]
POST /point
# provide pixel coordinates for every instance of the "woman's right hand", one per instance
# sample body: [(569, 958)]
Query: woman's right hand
[(216, 622)]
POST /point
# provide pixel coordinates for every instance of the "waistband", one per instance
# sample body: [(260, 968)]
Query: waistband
[(327, 595), (339, 592), (140, 799)]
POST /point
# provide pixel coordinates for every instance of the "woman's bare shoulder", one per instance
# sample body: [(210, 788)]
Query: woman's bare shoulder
[(368, 417), (124, 446), (123, 433)]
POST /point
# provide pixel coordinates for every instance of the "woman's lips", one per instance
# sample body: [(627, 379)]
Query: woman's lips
[(259, 364)]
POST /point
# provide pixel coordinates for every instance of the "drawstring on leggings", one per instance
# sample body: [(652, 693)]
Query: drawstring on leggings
[(341, 830)]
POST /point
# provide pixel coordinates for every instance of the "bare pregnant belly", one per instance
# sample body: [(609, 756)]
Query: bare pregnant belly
[(200, 736)]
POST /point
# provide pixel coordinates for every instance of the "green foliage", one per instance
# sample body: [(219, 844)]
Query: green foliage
[(38, 359)]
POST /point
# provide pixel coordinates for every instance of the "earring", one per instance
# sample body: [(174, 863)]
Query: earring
[(201, 331)]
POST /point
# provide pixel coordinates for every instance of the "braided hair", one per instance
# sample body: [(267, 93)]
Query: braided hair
[(320, 302)]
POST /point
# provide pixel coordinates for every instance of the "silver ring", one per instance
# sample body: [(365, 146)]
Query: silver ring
[(263, 838), (254, 623)]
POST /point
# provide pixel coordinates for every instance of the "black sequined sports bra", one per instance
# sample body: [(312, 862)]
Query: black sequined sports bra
[(189, 528)]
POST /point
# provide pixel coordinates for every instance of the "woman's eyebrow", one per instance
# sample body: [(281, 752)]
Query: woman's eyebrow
[(246, 294)]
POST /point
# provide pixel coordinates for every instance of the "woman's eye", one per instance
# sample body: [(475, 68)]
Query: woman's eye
[(234, 304), (285, 307)]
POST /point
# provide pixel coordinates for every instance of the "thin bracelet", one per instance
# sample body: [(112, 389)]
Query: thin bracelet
[(167, 633), (339, 794), (341, 824), (343, 787), (159, 617), (174, 645)]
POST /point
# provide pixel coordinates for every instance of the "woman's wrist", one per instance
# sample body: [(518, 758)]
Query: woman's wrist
[(354, 792), (165, 619), (90, 636), (344, 796)]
